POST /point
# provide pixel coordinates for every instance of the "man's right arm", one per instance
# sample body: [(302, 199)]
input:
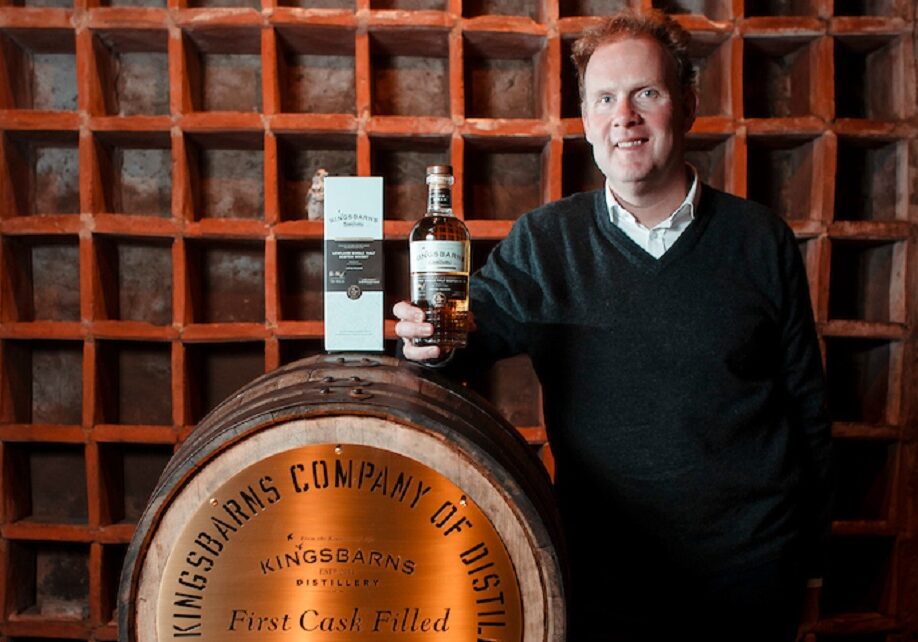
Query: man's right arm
[(503, 296)]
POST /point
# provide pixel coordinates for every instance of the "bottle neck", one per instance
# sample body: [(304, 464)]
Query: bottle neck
[(440, 197)]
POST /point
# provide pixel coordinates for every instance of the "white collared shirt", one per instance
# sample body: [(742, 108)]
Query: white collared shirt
[(659, 238)]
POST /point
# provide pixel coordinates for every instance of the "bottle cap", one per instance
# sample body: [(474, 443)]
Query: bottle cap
[(440, 169)]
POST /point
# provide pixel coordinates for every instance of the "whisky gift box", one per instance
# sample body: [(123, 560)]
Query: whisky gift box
[(353, 263)]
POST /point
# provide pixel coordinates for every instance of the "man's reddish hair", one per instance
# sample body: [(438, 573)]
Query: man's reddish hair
[(654, 24)]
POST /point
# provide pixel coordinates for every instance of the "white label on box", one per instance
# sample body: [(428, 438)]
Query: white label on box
[(353, 263)]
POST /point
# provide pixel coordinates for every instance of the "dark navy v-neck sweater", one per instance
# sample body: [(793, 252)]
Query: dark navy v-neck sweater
[(683, 396)]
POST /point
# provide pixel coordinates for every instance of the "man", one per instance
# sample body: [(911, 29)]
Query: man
[(670, 327)]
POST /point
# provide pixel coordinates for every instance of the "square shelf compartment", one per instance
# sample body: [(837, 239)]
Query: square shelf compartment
[(779, 172), (410, 5), (712, 56), (44, 4), (869, 77), (40, 173), (133, 383), (513, 387), (866, 473), (578, 169), (38, 69), (481, 250), (300, 157), (135, 173), (112, 560), (295, 349), (863, 378), (226, 281), (223, 69), (224, 4), (316, 70), (217, 370), (343, 5), (34, 639), (570, 88), (227, 175), (780, 76), (397, 271), (132, 71), (47, 581), (889, 8), (859, 577), (41, 278), (783, 7), (42, 382), (503, 179), (525, 8), (867, 281), (880, 636), (871, 182), (129, 473), (503, 75), (161, 4), (713, 9), (300, 280), (709, 154), (134, 279), (573, 8), (45, 483), (403, 163), (409, 73), (809, 248)]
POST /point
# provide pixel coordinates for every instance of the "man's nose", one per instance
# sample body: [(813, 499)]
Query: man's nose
[(624, 114)]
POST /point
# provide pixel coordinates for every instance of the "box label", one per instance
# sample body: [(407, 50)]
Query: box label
[(353, 263)]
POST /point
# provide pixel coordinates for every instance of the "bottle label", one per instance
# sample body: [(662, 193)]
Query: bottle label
[(439, 199), (439, 257), (437, 290)]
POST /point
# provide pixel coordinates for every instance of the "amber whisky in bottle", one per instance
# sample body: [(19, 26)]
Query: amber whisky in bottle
[(439, 250)]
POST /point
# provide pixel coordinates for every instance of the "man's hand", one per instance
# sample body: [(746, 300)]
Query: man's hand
[(410, 326)]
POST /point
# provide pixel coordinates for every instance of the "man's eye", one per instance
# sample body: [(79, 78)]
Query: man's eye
[(605, 100), (649, 93)]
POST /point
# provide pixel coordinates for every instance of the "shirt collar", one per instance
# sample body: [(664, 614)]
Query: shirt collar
[(680, 218)]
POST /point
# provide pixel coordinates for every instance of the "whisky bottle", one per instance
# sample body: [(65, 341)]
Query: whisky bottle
[(439, 250)]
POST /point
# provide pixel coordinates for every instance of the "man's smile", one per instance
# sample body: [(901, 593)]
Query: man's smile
[(630, 143)]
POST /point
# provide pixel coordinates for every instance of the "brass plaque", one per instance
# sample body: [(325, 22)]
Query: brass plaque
[(339, 543)]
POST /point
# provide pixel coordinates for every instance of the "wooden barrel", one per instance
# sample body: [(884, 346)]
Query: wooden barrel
[(348, 498)]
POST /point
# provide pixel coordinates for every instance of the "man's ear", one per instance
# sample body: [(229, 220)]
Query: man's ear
[(689, 108)]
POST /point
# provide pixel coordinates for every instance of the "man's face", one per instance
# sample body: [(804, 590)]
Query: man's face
[(635, 115)]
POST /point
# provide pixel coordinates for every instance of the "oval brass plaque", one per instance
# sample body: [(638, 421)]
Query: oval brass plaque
[(340, 543)]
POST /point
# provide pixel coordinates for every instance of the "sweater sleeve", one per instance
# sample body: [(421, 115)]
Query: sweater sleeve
[(502, 295), (804, 387)]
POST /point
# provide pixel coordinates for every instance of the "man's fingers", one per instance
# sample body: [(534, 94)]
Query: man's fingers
[(407, 312), (411, 330), (420, 353), (411, 325)]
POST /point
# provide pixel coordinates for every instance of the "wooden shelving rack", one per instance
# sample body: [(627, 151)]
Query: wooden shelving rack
[(155, 157)]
